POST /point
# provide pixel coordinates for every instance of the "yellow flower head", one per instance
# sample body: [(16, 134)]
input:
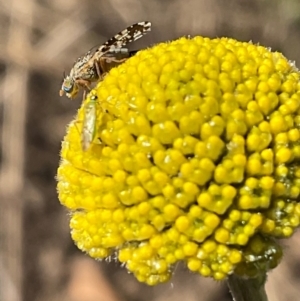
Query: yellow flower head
[(193, 151)]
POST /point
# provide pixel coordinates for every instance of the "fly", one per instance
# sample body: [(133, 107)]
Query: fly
[(94, 65)]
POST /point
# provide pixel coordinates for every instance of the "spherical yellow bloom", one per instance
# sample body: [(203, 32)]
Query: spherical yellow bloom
[(195, 158)]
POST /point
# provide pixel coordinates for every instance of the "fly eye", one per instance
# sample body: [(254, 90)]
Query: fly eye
[(68, 84), (68, 89)]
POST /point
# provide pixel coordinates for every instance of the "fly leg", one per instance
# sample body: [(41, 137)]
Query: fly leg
[(86, 86)]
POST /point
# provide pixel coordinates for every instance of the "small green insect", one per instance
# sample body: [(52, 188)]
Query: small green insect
[(89, 122)]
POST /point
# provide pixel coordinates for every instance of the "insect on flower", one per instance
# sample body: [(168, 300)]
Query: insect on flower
[(89, 122), (93, 65)]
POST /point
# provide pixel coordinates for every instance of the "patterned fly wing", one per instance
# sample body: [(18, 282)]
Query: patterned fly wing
[(121, 39), (94, 64)]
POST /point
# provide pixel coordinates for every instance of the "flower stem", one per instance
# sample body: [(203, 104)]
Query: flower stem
[(251, 289)]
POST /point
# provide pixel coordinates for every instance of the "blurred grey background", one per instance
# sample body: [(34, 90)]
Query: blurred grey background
[(39, 39)]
